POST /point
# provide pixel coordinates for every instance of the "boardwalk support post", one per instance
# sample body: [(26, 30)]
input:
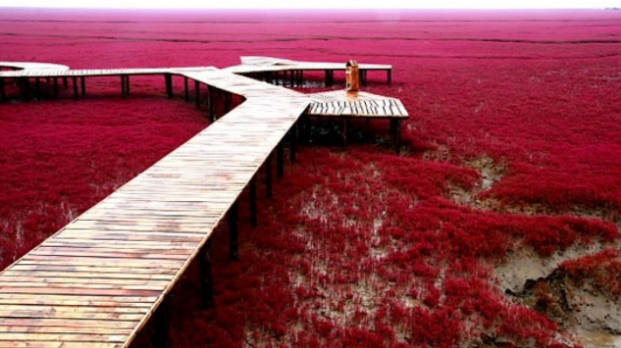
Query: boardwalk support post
[(293, 138), (268, 176), (197, 92), (125, 85), (234, 231), (280, 160), (395, 129), (24, 88), (253, 201), (160, 337), (2, 91), (227, 101), (206, 276), (329, 78), (169, 85), (76, 96), (83, 83), (212, 107), (186, 89), (55, 87), (389, 76), (344, 130), (300, 77), (38, 87)]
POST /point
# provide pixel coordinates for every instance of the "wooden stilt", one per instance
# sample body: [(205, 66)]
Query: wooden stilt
[(169, 85), (160, 337), (76, 96), (227, 101), (253, 201), (24, 88), (233, 215), (345, 120), (186, 89), (268, 176), (127, 88), (293, 138), (389, 76), (83, 83), (280, 160), (2, 90), (197, 94), (65, 82), (28, 89), (38, 87), (55, 87), (210, 99), (206, 276), (306, 128), (395, 127)]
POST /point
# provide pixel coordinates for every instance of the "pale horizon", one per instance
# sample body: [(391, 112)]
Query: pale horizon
[(317, 4)]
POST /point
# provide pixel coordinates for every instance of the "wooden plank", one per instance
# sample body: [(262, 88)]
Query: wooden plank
[(56, 344), (110, 254), (62, 329), (33, 300), (9, 308), (89, 270), (71, 315), (99, 279), (55, 298), (68, 323), (5, 336), (79, 292), (29, 278)]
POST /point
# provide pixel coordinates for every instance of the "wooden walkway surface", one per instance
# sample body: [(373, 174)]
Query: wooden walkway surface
[(97, 281), (266, 65), (362, 104)]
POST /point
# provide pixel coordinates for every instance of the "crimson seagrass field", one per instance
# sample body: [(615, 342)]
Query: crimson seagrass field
[(498, 226)]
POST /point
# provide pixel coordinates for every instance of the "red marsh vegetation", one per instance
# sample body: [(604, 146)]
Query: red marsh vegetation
[(498, 226)]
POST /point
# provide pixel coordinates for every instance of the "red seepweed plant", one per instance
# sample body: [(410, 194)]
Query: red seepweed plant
[(359, 247)]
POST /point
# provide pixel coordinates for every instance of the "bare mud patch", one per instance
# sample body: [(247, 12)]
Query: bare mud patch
[(580, 308), (491, 173)]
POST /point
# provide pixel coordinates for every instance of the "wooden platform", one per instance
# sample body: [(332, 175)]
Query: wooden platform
[(363, 104), (343, 106), (97, 281)]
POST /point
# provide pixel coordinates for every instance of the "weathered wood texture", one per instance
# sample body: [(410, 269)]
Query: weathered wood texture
[(339, 103), (97, 281)]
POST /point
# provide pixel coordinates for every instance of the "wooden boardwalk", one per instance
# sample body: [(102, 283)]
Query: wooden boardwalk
[(344, 106), (97, 281), (293, 71), (362, 104)]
